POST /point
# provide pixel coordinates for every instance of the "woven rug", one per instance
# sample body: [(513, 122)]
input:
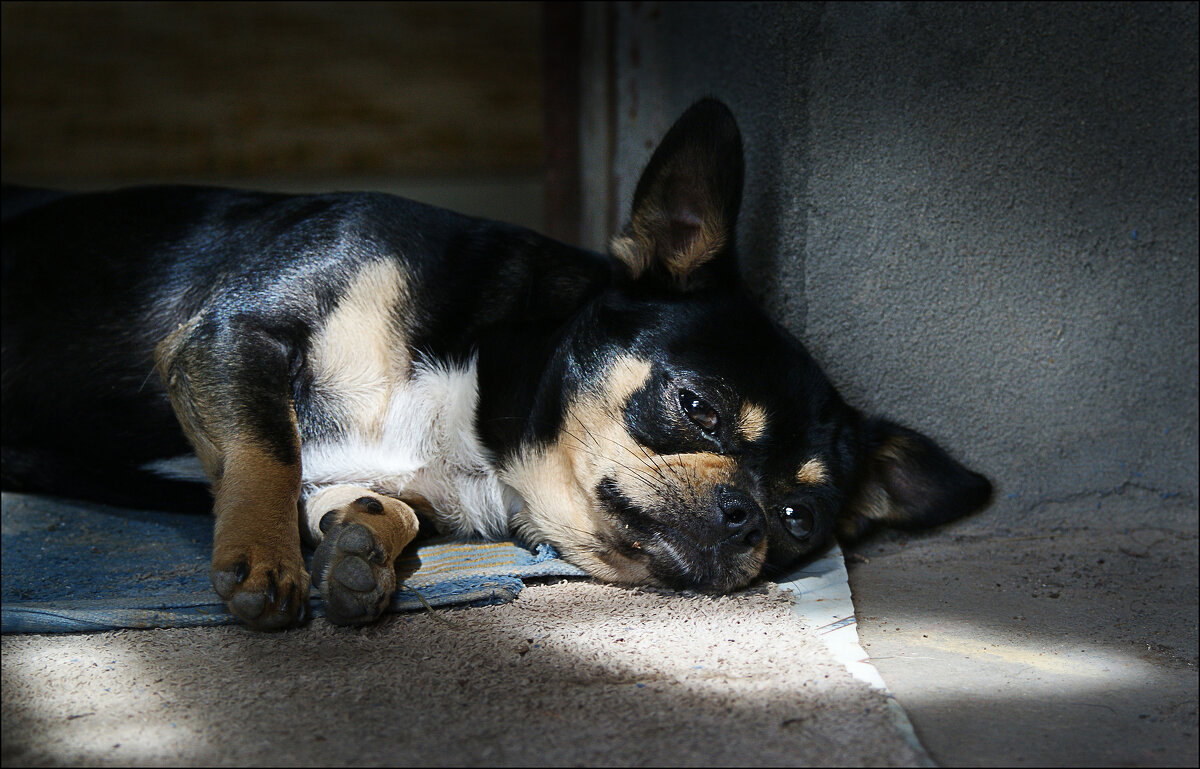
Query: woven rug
[(71, 566)]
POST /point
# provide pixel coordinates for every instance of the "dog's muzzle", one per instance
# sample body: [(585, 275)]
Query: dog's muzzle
[(714, 548)]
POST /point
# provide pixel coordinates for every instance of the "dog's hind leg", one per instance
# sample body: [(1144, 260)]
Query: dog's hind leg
[(360, 534), (230, 389)]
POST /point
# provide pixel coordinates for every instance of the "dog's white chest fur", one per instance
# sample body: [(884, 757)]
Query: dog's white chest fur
[(425, 444)]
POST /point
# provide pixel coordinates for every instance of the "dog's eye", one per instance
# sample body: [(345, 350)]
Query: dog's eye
[(798, 520), (702, 414)]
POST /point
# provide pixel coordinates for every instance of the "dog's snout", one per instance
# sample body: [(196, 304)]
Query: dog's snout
[(740, 516)]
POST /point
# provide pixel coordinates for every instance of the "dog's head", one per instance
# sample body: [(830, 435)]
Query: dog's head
[(689, 441)]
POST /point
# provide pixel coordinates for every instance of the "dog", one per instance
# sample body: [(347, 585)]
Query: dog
[(354, 368)]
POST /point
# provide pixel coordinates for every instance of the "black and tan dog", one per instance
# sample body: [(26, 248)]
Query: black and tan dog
[(351, 367)]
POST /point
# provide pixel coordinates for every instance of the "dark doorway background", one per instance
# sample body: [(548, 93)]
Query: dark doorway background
[(441, 102)]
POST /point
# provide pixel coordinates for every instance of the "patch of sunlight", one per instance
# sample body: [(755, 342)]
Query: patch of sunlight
[(95, 699), (1054, 659)]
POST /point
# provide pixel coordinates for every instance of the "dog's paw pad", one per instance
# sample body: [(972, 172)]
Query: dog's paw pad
[(248, 606), (226, 582), (354, 575), (355, 538), (265, 598)]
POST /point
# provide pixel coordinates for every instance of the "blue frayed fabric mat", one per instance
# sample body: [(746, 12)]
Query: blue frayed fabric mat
[(70, 566)]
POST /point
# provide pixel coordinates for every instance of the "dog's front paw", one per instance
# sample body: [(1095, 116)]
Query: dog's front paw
[(353, 567), (264, 592)]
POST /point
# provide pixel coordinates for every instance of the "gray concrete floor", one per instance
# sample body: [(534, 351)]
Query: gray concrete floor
[(1058, 642)]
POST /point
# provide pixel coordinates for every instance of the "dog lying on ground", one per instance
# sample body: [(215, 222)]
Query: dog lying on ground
[(352, 368)]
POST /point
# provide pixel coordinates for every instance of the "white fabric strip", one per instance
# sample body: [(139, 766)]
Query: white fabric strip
[(821, 596)]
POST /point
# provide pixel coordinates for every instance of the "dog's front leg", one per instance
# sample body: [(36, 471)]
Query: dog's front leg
[(230, 389), (257, 565), (360, 534)]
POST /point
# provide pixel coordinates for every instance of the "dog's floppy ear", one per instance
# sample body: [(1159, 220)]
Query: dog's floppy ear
[(681, 231), (910, 482)]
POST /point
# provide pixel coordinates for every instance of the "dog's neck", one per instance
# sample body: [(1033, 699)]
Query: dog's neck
[(510, 296)]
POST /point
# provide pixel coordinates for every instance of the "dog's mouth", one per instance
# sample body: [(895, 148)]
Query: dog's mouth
[(668, 548)]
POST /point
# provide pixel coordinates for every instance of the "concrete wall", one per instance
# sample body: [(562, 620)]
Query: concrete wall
[(981, 218)]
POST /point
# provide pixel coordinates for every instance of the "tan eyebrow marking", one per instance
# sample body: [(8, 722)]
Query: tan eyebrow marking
[(752, 421), (812, 472), (624, 378)]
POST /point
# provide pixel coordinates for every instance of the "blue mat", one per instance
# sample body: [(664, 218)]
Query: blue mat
[(71, 566)]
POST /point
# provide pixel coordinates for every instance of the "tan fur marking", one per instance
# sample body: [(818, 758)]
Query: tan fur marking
[(752, 421), (556, 481), (394, 529), (896, 449), (625, 377), (872, 502), (256, 502), (360, 352), (812, 472), (631, 251), (257, 531), (637, 247), (875, 504), (556, 508), (691, 478)]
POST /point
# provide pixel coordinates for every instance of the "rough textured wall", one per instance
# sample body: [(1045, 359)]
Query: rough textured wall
[(981, 218)]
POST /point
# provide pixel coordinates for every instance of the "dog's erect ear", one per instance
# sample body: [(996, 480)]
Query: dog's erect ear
[(681, 231), (911, 483)]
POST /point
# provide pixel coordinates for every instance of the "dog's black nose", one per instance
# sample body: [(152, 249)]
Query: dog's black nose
[(741, 517)]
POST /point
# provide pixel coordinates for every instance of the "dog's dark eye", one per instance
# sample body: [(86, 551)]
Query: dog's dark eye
[(702, 414), (798, 520)]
